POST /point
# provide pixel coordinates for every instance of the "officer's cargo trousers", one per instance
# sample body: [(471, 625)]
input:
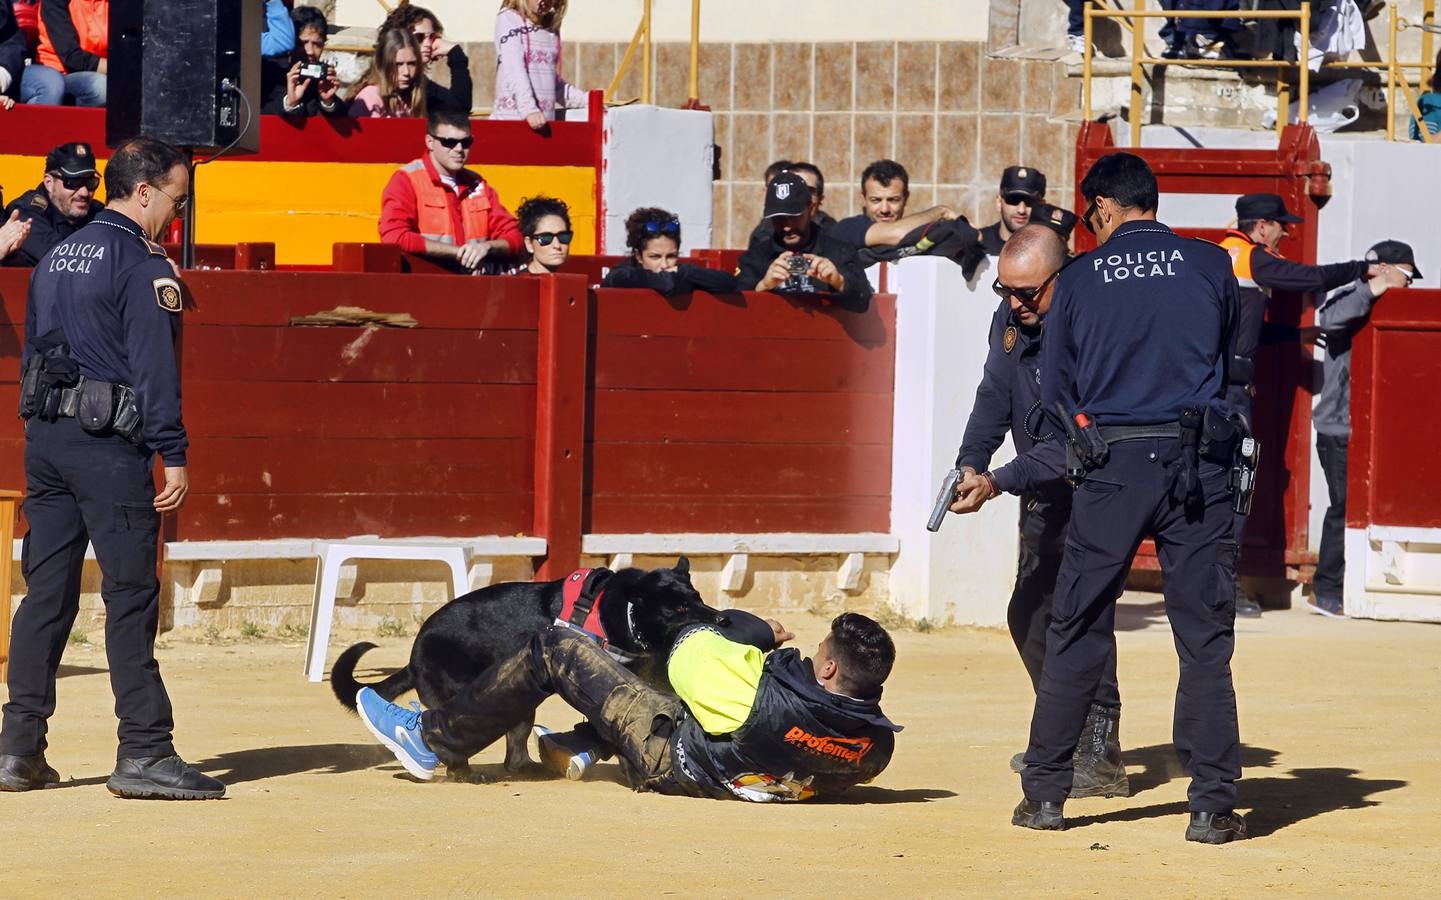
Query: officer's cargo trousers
[(1116, 507)]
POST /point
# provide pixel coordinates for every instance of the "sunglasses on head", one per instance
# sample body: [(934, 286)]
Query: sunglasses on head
[(1018, 199), (544, 238), (452, 143), (76, 182), (669, 226), (1025, 295)]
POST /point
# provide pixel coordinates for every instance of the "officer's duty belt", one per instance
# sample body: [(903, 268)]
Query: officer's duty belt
[(70, 400), (1114, 434)]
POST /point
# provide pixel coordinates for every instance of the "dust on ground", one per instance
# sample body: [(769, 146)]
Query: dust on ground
[(1339, 720)]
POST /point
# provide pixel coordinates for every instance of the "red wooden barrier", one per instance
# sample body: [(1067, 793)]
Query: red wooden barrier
[(749, 413), (1393, 469), (1276, 544)]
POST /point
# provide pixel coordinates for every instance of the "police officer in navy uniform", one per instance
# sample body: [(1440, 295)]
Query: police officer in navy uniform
[(62, 204), (1022, 190), (1135, 358), (1009, 399), (101, 387)]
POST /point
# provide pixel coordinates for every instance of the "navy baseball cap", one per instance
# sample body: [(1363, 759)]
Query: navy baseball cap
[(1264, 206), (1394, 252), (787, 195), (1061, 221), (74, 158), (1023, 180)]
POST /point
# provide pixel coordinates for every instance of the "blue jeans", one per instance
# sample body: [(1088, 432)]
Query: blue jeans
[(49, 87)]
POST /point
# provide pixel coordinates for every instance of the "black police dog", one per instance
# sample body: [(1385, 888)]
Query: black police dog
[(641, 612)]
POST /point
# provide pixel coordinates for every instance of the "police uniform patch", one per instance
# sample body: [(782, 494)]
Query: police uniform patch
[(1009, 341), (167, 294)]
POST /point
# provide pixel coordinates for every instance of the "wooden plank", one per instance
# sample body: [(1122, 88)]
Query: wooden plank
[(667, 513), (261, 409), (734, 363), (303, 465), (388, 355), (746, 470), (561, 400), (429, 513), (747, 417), (742, 315)]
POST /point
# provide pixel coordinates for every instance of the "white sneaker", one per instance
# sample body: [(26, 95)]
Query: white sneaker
[(556, 756), (1076, 43)]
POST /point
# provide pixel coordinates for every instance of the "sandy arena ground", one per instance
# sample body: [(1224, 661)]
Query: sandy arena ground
[(1342, 785)]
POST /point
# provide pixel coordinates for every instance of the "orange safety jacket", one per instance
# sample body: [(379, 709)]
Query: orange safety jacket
[(92, 27), (1241, 247), (432, 213)]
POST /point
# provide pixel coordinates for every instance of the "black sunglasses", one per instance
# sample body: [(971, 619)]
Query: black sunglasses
[(76, 182), (1025, 295), (1018, 199), (1086, 216), (452, 143), (669, 226), (544, 238)]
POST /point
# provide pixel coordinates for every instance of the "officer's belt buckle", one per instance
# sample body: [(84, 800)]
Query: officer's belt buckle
[(1115, 434)]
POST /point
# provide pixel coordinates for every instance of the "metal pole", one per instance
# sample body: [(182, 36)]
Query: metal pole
[(695, 49), (1303, 94), (1428, 57), (187, 234), (1086, 68), (1283, 101), (1136, 77), (1391, 79), (645, 56)]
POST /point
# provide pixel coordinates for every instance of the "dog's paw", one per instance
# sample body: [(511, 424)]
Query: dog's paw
[(468, 776)]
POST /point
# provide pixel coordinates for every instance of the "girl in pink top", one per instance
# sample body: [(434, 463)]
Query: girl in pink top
[(528, 84), (396, 85)]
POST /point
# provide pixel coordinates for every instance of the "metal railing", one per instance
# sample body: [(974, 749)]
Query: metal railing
[(642, 42), (1395, 70)]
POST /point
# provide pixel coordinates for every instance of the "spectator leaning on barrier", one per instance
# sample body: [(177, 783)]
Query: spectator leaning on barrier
[(885, 191), (1022, 188), (545, 227), (832, 266), (278, 35), (12, 54), (528, 81), (1340, 316), (653, 237), (71, 58), (437, 207), (290, 83), (396, 85), (62, 204), (429, 34)]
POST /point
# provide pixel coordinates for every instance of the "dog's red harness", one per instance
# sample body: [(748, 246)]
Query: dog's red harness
[(580, 607)]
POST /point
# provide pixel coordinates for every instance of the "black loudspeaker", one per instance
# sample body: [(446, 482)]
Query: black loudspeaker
[(178, 70)]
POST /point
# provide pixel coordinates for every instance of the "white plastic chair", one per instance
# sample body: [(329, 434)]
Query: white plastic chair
[(334, 554)]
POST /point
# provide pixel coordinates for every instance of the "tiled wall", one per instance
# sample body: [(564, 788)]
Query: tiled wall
[(953, 117)]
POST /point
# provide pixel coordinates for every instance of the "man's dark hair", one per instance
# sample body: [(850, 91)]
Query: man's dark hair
[(308, 17), (533, 209), (138, 160), (446, 115), (775, 169), (648, 223), (811, 168), (1124, 178), (405, 16), (865, 653), (883, 172), (1246, 226)]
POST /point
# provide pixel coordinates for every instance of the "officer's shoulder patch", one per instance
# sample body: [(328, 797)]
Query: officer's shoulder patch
[(39, 200), (167, 294), (154, 248), (1009, 341)]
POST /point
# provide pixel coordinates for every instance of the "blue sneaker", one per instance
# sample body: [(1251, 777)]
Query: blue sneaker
[(398, 729)]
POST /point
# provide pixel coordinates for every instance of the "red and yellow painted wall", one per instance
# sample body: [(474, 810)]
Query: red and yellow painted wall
[(317, 182)]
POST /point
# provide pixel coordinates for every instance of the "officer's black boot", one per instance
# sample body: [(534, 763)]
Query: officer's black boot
[(1099, 771), (162, 778), (26, 773), (1216, 828), (1041, 815)]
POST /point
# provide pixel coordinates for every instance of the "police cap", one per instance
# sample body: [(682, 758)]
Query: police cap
[(1061, 221), (1023, 180), (1394, 252), (74, 158), (1263, 206)]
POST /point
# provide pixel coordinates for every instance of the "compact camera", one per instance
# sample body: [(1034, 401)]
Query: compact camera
[(797, 282), (314, 70)]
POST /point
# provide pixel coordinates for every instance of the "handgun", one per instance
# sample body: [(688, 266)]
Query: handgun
[(944, 499)]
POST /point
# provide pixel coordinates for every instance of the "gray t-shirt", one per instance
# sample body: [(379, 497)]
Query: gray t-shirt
[(1340, 316)]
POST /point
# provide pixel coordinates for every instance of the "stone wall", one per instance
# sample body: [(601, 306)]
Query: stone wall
[(952, 116)]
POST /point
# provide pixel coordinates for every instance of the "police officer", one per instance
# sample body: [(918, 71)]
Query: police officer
[(1009, 399), (1261, 222), (63, 202), (1136, 354), (101, 388), (1022, 188)]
